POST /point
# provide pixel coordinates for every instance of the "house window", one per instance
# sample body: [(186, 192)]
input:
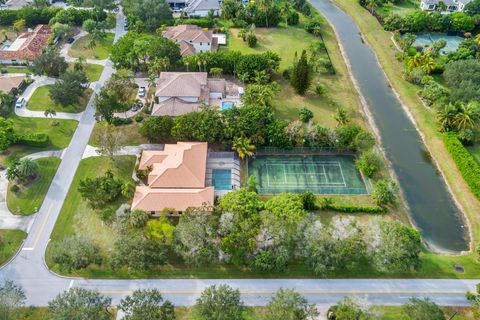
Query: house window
[(208, 43), (431, 7), (200, 43)]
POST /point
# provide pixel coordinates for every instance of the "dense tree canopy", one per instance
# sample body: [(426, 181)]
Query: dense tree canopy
[(220, 303), (158, 13), (146, 304), (463, 79), (79, 304)]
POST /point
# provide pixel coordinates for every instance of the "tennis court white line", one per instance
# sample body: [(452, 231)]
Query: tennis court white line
[(343, 177)]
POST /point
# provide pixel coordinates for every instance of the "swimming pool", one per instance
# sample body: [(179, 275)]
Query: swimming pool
[(5, 47), (426, 40), (227, 105), (222, 179)]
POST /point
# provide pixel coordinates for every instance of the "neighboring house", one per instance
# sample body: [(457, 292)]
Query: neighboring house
[(202, 8), (196, 8), (192, 39), (26, 47), (11, 82), (179, 93), (450, 5), (176, 179)]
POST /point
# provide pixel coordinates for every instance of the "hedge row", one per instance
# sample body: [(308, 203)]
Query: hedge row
[(34, 140), (355, 209), (465, 162)]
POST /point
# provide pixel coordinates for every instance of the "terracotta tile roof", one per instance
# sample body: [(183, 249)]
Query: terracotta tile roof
[(32, 46), (181, 84), (189, 33), (186, 49), (177, 179), (8, 82), (149, 199), (174, 107)]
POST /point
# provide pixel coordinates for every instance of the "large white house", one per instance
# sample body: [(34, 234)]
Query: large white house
[(192, 39), (196, 8), (450, 5)]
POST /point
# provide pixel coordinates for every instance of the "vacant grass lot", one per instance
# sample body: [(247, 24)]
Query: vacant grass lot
[(101, 51), (401, 8), (129, 135), (93, 71), (396, 313), (41, 101), (11, 241), (76, 217), (286, 40), (379, 40), (30, 198)]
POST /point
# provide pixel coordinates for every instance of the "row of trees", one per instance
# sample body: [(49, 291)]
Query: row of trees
[(219, 302), (264, 13)]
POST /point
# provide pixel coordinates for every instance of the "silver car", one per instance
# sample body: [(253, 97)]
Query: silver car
[(21, 102)]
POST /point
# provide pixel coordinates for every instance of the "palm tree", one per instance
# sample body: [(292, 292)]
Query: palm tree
[(27, 168), (50, 112), (415, 61), (371, 5), (341, 116), (243, 146), (428, 63), (446, 116), (128, 188), (477, 39), (467, 116)]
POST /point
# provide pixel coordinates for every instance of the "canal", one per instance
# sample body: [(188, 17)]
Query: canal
[(431, 206)]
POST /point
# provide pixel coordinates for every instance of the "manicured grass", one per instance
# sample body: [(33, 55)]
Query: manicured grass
[(475, 152), (41, 101), (129, 135), (401, 8), (16, 70), (42, 313), (285, 40), (101, 51), (59, 131), (93, 71), (76, 217), (10, 243), (30, 198), (396, 313), (379, 40)]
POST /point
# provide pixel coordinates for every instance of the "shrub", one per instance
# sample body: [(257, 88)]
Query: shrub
[(15, 188), (320, 90), (252, 40), (305, 115), (369, 163), (139, 118), (34, 140), (465, 162), (121, 121), (329, 204), (75, 253), (201, 22), (293, 18)]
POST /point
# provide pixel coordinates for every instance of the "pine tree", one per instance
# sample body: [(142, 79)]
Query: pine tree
[(301, 74)]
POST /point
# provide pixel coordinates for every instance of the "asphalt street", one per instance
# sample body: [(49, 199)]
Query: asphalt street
[(29, 270)]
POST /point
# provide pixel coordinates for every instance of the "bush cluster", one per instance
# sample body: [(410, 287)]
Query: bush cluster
[(38, 140), (465, 162)]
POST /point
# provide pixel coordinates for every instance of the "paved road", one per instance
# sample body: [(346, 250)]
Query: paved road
[(28, 268)]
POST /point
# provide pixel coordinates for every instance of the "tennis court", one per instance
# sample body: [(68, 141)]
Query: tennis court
[(320, 174)]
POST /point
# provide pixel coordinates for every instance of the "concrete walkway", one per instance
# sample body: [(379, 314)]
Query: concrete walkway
[(124, 151), (7, 219), (40, 81)]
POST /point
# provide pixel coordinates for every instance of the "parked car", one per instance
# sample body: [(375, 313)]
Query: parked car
[(70, 40), (137, 106), (141, 92), (125, 26), (21, 102)]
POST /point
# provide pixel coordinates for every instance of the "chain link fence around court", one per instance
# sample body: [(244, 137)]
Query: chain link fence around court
[(320, 172)]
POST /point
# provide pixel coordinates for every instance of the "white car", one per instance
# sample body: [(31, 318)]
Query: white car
[(21, 102), (141, 92)]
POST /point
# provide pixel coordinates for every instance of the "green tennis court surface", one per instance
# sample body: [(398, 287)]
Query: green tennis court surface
[(320, 174)]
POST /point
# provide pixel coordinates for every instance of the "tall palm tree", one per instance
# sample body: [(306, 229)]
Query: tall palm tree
[(446, 116), (243, 147), (128, 188), (27, 168), (415, 61), (467, 116), (477, 39), (341, 116), (428, 63), (50, 112)]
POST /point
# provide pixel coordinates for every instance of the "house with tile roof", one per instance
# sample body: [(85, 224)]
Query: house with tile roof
[(28, 46), (179, 93), (201, 8), (191, 39), (176, 179)]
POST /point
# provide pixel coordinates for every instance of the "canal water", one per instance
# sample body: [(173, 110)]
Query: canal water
[(431, 206)]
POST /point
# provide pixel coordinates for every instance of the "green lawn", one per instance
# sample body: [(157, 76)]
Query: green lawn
[(76, 217), (401, 8), (129, 135), (59, 131), (16, 70), (475, 152), (41, 313), (41, 101), (101, 51), (30, 198), (93, 71), (285, 40), (396, 313), (10, 243)]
